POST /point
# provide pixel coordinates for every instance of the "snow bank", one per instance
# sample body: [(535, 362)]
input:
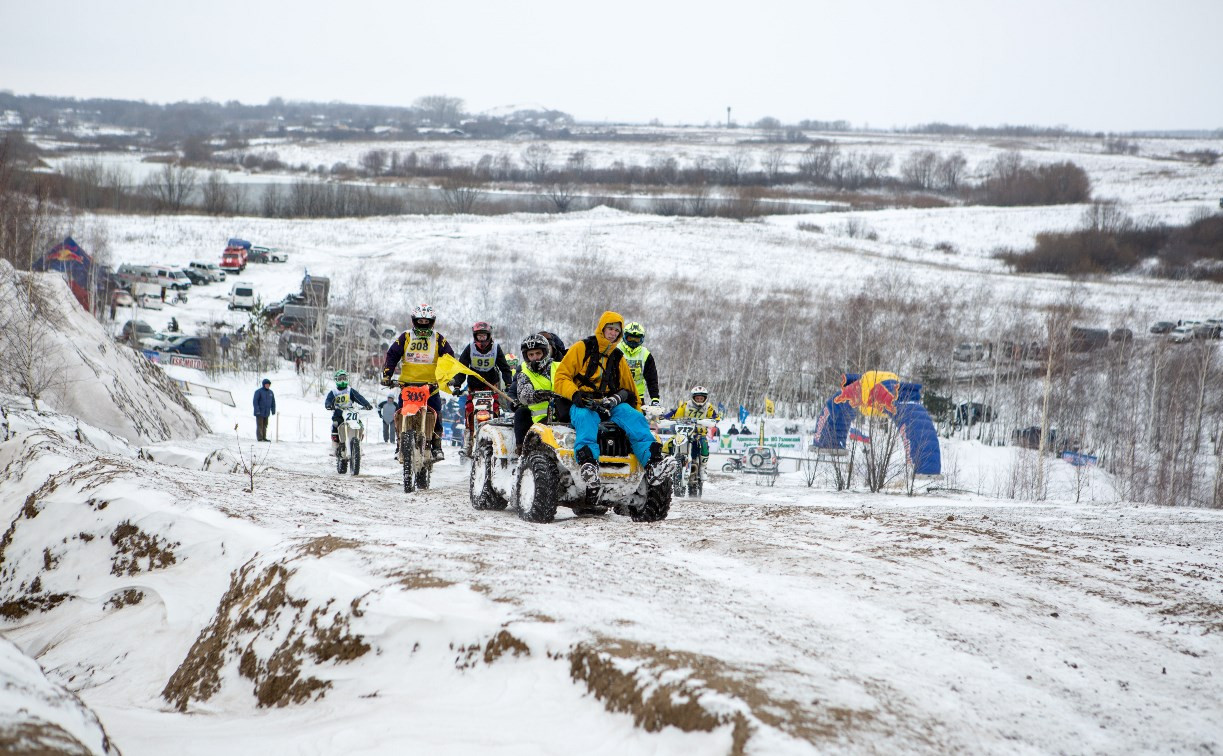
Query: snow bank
[(106, 385)]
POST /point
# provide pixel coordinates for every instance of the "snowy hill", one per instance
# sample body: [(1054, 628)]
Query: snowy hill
[(86, 374)]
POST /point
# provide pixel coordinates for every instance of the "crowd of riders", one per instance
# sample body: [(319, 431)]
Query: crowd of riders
[(609, 375)]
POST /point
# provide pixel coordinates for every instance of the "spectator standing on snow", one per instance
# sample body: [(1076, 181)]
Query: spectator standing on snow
[(388, 409), (265, 407)]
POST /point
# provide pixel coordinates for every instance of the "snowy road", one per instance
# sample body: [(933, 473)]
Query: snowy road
[(847, 621)]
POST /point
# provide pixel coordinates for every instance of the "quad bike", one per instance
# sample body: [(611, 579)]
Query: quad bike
[(414, 427), (350, 432), (546, 476)]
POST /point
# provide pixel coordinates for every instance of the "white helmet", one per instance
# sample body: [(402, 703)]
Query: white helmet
[(423, 312), (699, 391)]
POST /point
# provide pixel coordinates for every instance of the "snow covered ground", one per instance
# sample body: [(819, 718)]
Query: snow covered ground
[(318, 613)]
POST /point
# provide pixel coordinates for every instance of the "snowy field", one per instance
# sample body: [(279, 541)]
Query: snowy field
[(173, 609)]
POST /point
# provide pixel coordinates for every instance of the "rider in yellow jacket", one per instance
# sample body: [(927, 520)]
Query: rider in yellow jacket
[(595, 377)]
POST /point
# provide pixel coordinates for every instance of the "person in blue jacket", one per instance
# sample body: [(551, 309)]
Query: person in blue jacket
[(265, 406)]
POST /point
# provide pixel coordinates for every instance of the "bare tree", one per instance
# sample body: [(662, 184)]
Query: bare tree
[(538, 158), (440, 110), (918, 169), (461, 194), (772, 163), (172, 187), (561, 194), (374, 162), (28, 352), (816, 163), (950, 172)]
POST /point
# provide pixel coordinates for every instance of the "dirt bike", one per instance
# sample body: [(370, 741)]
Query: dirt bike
[(350, 432), (180, 297), (414, 427), (483, 410), (686, 447)]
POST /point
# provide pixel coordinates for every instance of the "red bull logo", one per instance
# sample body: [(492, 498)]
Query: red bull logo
[(64, 255), (874, 393)]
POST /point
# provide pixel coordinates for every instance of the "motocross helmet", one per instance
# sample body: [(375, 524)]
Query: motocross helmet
[(341, 379), (481, 327), (700, 395), (423, 319), (634, 335), (536, 341)]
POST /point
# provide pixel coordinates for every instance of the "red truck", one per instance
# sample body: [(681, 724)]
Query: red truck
[(233, 260)]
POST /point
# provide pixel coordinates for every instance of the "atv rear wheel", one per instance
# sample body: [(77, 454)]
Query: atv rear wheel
[(480, 482), (535, 487), (657, 505)]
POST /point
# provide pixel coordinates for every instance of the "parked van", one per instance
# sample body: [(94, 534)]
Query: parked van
[(209, 271), (242, 297)]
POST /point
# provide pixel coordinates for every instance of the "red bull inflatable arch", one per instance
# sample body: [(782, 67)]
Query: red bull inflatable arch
[(881, 394)]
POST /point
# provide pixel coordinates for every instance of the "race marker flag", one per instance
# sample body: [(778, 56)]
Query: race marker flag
[(448, 367), (768, 407)]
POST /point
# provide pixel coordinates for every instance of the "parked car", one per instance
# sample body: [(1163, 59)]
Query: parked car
[(211, 271), (290, 340), (1163, 326), (969, 352), (1122, 335), (190, 346), (1087, 339), (136, 329), (122, 298), (971, 413), (1207, 330), (1181, 334), (242, 297), (197, 278), (287, 322), (270, 311)]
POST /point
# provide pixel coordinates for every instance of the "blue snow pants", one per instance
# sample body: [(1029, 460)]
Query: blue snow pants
[(586, 429)]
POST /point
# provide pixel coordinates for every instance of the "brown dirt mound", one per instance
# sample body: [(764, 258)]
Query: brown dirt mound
[(249, 615)]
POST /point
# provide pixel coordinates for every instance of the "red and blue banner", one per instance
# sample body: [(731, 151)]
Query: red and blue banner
[(68, 258)]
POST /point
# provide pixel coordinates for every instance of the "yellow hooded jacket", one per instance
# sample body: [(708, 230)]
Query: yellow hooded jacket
[(572, 368)]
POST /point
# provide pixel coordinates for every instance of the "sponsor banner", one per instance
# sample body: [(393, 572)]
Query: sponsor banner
[(1079, 460), (182, 360), (744, 442)]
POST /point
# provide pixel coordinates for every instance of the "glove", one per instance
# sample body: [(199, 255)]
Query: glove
[(543, 395), (584, 399), (388, 380), (611, 401), (654, 403)]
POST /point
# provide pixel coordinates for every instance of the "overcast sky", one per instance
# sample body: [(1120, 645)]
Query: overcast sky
[(1111, 65)]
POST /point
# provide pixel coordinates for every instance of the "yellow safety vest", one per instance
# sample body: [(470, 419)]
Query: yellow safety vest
[(636, 359), (419, 360), (539, 410)]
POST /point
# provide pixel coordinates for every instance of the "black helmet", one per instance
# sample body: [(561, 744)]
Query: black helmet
[(535, 341)]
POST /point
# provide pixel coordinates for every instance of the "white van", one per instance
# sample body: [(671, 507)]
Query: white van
[(242, 297), (209, 271)]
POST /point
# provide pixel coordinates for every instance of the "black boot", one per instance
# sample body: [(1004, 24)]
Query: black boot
[(436, 445), (588, 468)]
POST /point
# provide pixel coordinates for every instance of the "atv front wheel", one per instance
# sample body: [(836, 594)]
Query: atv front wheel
[(480, 483), (657, 505), (535, 488)]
